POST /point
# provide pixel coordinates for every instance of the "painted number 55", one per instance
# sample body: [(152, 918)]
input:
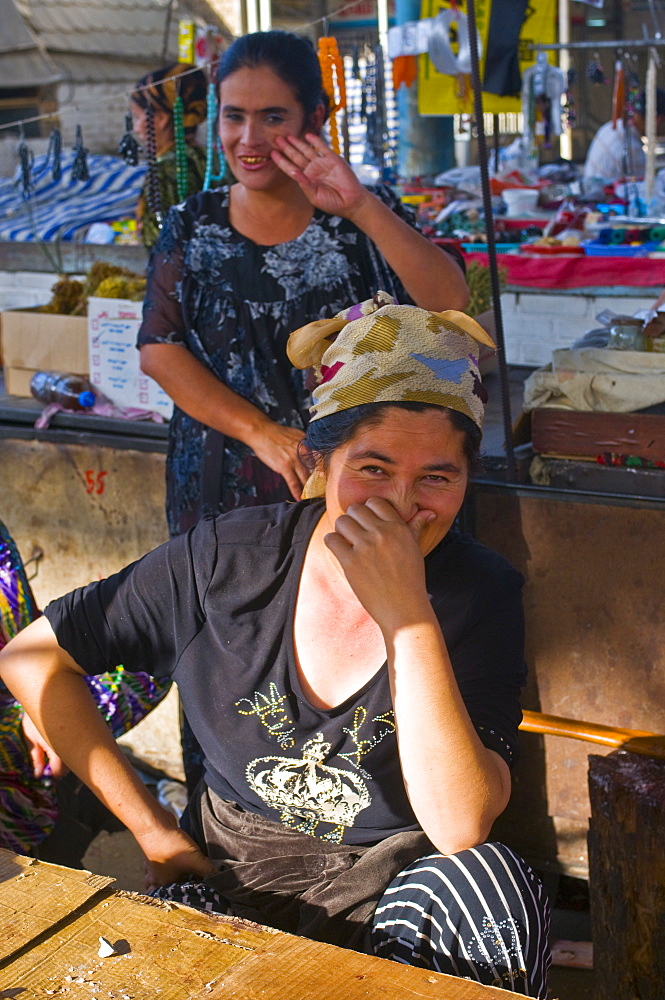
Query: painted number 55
[(94, 481)]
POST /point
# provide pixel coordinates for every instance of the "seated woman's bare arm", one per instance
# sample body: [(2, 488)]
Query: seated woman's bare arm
[(456, 786), (50, 686)]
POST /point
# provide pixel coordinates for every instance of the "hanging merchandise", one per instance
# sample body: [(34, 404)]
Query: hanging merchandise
[(153, 193), (181, 178), (80, 170), (543, 86), (450, 23), (334, 84), (569, 110), (650, 115), (186, 40), (128, 147), (410, 38), (377, 140), (632, 85), (439, 94), (208, 46), (618, 93), (355, 63), (373, 155), (595, 72), (54, 154), (26, 160), (631, 98), (405, 71), (213, 142), (502, 67)]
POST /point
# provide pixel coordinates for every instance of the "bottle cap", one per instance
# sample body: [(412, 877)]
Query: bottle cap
[(86, 399)]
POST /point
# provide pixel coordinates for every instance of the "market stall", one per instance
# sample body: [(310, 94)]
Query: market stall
[(95, 489)]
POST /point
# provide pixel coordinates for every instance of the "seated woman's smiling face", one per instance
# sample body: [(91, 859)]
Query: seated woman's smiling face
[(415, 460)]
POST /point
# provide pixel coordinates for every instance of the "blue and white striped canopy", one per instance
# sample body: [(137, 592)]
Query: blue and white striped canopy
[(63, 209)]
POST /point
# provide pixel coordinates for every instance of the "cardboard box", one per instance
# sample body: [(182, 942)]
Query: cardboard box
[(33, 341), (113, 326)]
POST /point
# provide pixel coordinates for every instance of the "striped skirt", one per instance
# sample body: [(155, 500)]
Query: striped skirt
[(481, 914)]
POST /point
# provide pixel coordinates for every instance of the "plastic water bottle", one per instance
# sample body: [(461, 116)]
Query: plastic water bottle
[(72, 392)]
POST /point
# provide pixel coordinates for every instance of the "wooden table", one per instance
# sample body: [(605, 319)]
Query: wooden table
[(52, 919)]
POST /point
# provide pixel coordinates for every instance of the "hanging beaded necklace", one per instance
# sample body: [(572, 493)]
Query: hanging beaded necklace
[(128, 146), (153, 194), (332, 73), (181, 178), (213, 142)]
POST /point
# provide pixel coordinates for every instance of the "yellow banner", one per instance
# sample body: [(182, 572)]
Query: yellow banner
[(439, 94)]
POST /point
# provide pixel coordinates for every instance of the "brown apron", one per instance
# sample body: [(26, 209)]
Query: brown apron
[(291, 880)]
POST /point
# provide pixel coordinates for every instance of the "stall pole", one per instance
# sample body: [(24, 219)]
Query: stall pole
[(252, 16), (382, 16), (491, 243), (566, 140), (265, 15)]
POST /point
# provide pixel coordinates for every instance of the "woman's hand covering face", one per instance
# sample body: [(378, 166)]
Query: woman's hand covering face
[(326, 178), (381, 559)]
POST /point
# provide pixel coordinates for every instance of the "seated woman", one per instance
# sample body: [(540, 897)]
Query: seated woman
[(350, 665)]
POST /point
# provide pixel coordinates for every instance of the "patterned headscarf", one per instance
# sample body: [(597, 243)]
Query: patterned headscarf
[(161, 87), (378, 351)]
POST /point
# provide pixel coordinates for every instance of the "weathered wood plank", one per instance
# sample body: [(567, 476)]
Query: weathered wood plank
[(164, 951), (291, 968), (35, 897)]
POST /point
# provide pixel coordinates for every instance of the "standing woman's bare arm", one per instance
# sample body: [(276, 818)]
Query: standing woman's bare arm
[(431, 277), (199, 393)]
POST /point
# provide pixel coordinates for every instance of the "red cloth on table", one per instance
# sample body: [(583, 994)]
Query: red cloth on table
[(577, 272)]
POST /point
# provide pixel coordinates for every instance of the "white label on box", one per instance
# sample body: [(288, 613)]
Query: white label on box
[(113, 325)]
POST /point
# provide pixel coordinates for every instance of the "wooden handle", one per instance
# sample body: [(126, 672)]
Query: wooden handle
[(635, 740)]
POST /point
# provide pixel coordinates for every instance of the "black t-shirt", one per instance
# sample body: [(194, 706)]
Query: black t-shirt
[(214, 609)]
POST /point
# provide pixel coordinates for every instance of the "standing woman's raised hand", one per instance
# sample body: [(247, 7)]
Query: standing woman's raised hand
[(326, 178)]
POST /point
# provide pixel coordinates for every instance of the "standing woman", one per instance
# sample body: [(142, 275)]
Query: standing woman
[(236, 269)]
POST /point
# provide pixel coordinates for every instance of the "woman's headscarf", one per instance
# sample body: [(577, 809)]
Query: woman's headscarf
[(160, 88), (378, 352)]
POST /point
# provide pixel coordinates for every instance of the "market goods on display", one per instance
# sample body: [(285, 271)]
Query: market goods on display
[(182, 180), (213, 142), (334, 84), (69, 297), (153, 194), (80, 170), (128, 146)]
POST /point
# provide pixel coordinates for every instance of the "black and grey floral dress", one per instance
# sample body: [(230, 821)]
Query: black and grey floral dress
[(233, 304)]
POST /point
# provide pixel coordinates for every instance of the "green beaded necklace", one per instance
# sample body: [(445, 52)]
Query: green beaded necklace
[(182, 180)]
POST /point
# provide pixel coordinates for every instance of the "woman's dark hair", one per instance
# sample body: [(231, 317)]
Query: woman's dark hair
[(290, 57), (325, 435)]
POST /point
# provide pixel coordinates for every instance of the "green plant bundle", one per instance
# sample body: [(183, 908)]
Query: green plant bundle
[(479, 280)]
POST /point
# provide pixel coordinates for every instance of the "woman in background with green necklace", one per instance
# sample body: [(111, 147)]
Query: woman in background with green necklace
[(152, 108)]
